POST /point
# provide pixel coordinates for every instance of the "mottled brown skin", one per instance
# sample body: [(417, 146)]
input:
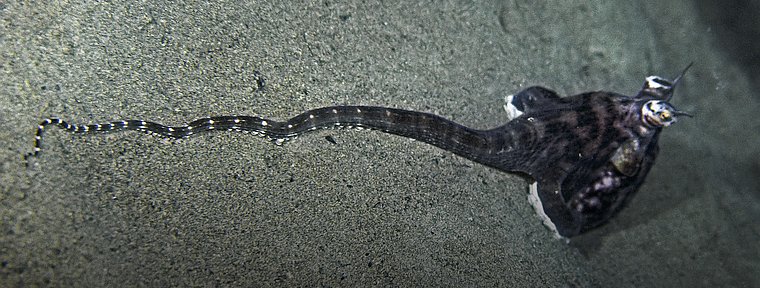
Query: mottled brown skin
[(588, 153), (572, 145)]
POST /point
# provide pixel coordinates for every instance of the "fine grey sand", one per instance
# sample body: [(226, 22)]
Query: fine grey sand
[(372, 209)]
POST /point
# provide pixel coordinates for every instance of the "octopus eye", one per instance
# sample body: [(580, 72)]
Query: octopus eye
[(665, 116), (659, 113)]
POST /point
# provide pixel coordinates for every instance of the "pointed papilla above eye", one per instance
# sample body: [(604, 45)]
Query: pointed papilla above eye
[(662, 82), (657, 87)]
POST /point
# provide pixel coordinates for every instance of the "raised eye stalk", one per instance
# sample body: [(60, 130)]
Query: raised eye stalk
[(659, 113)]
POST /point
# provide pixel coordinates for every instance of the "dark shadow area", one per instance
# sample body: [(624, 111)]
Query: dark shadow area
[(736, 24)]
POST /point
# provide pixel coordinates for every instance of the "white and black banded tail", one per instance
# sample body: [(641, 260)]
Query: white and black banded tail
[(483, 146), (230, 123), (108, 127)]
